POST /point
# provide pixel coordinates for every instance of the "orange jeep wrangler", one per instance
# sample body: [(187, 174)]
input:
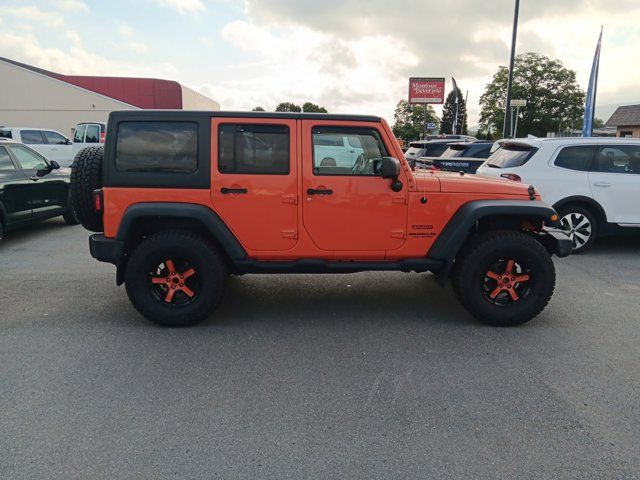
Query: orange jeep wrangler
[(184, 199)]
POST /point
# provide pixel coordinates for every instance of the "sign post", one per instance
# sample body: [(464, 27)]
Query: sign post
[(516, 103), (425, 91)]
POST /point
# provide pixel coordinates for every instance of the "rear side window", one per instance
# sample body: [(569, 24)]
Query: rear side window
[(31, 137), (434, 149), (158, 147), (257, 149), (619, 159), (511, 156), (5, 160), (78, 136), (93, 134), (576, 158)]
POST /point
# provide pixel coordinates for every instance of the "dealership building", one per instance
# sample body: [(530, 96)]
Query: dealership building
[(33, 97)]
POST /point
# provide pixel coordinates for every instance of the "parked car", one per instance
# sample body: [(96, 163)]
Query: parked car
[(593, 182), (430, 148), (32, 188), (337, 150), (88, 135), (459, 157), (52, 144), (176, 219)]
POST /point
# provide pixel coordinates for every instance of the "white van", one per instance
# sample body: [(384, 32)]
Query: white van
[(51, 144)]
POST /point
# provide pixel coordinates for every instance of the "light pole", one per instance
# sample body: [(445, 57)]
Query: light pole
[(507, 107)]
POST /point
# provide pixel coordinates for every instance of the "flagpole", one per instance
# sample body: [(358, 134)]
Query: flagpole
[(595, 87), (507, 107)]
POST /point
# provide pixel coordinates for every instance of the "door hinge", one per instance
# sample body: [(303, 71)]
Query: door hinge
[(292, 199), (398, 234), (289, 234), (401, 200)]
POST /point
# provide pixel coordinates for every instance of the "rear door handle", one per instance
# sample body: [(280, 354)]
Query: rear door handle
[(319, 191), (225, 190), (602, 184)]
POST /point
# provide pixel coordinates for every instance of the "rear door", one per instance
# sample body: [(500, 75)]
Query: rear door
[(350, 208), (615, 182), (14, 188), (254, 180), (78, 138)]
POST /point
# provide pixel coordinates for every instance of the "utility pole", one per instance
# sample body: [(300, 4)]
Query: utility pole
[(506, 127)]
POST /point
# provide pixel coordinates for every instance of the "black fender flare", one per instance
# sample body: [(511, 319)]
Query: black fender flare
[(456, 232), (585, 200)]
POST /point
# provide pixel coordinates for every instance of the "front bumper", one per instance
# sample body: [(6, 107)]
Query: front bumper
[(106, 249), (556, 241)]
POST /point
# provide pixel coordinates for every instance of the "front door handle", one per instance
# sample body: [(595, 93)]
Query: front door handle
[(34, 178), (602, 184), (225, 190), (319, 191)]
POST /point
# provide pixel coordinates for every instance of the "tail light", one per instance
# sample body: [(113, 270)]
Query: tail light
[(103, 136), (98, 200), (511, 176)]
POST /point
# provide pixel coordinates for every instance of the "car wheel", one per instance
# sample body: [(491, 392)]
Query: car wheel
[(504, 278), (581, 225), (86, 176), (175, 278), (70, 216), (1, 230)]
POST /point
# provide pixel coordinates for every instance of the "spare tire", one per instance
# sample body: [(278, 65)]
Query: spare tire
[(86, 176)]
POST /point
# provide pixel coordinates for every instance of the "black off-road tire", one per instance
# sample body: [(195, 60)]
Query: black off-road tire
[(1, 230), (210, 273), (70, 216), (472, 286), (86, 176), (577, 214)]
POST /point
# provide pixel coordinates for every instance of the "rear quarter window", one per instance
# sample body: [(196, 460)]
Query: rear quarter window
[(160, 147), (511, 156)]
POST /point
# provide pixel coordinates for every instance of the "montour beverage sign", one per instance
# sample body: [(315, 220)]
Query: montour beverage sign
[(426, 90)]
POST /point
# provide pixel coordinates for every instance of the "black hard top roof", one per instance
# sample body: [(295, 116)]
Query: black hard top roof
[(152, 114)]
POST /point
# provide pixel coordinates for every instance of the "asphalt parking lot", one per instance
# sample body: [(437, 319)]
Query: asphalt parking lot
[(374, 375)]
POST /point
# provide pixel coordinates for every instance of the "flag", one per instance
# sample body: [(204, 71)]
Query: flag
[(590, 103), (455, 118)]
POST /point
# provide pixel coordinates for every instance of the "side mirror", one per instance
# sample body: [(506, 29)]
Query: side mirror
[(390, 168), (54, 165), (68, 142)]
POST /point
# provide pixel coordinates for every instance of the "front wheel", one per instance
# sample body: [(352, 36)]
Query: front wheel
[(504, 278), (175, 278)]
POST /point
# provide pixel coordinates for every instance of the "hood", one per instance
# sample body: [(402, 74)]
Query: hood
[(455, 183)]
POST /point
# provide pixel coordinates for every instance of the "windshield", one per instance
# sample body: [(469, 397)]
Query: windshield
[(454, 151), (510, 156)]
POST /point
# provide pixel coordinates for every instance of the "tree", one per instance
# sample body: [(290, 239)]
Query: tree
[(449, 112), (409, 120), (288, 107), (554, 98), (312, 107), (598, 123), (257, 109)]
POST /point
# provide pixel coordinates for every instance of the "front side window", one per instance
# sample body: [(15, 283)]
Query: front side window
[(28, 159), (619, 159), (5, 160), (347, 151), (93, 134), (31, 137), (159, 147), (257, 149), (78, 136), (54, 138), (576, 158)]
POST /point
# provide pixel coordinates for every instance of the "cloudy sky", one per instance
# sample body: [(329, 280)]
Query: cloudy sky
[(351, 56)]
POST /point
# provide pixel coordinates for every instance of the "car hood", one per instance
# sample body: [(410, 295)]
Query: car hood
[(450, 182)]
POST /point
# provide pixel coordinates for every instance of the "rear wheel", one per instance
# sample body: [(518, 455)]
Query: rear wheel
[(70, 216), (175, 278), (504, 278), (581, 225)]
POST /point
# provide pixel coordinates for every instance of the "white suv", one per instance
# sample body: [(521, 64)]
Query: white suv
[(51, 144), (593, 183)]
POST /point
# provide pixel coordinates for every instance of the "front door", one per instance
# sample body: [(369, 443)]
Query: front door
[(254, 175), (350, 207), (13, 190), (615, 182)]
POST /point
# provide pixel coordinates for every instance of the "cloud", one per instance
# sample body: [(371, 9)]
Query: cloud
[(74, 6), (125, 29), (138, 47), (183, 6), (34, 14)]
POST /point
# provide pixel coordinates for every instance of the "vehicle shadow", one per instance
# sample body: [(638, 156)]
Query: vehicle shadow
[(32, 232), (615, 245)]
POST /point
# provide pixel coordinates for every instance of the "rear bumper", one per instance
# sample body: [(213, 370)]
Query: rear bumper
[(106, 249), (556, 241)]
